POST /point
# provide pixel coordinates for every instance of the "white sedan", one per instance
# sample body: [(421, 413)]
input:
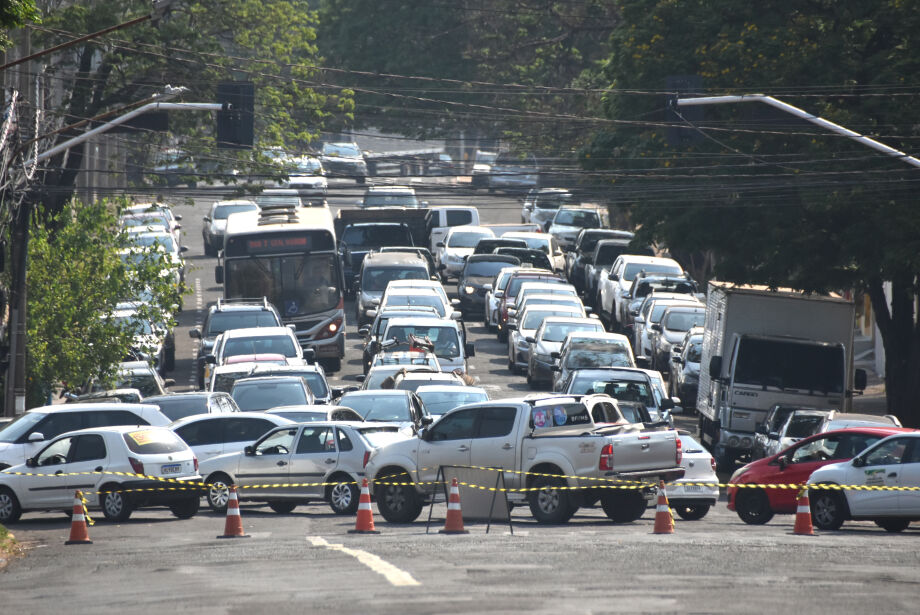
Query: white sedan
[(693, 501), (892, 462)]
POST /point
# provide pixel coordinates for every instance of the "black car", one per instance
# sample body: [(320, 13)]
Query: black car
[(180, 405), (537, 258), (489, 244), (583, 250), (477, 276), (231, 314), (360, 238)]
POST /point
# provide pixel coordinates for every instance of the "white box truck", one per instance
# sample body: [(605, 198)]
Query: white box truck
[(764, 347)]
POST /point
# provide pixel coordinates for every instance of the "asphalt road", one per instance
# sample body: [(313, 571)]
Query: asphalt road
[(306, 561)]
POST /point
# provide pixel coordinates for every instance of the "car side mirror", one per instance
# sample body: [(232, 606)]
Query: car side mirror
[(360, 377), (556, 368), (36, 436), (249, 451), (783, 461), (498, 294), (656, 327), (169, 382), (860, 379), (219, 274), (667, 404), (210, 359), (207, 219), (613, 277), (554, 356), (442, 267), (858, 462), (643, 362), (310, 355), (195, 333), (425, 435), (469, 349), (183, 249), (530, 339), (456, 315), (677, 360), (440, 244), (363, 331), (177, 217), (31, 463), (511, 326), (426, 421), (455, 302), (371, 313)]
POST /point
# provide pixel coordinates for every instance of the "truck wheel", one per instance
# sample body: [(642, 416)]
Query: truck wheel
[(624, 506), (549, 503), (753, 506), (692, 512), (398, 503)]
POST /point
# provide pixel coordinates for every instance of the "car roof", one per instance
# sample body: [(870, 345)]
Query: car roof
[(227, 415), (99, 406), (626, 373), (441, 388), (376, 392), (256, 332), (495, 258), (306, 367), (425, 321), (648, 260), (183, 395), (430, 376), (270, 379), (470, 228), (390, 189), (526, 235), (394, 259), (563, 320), (599, 336)]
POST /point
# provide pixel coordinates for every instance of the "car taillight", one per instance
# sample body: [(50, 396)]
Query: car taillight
[(606, 461), (330, 330), (367, 456), (195, 459), (679, 455), (136, 465)]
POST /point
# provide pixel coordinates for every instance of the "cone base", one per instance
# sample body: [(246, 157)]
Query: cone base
[(363, 531), (664, 532), (453, 531), (236, 536), (79, 542)]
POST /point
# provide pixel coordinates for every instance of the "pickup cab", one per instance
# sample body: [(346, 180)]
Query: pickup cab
[(441, 219), (548, 445)]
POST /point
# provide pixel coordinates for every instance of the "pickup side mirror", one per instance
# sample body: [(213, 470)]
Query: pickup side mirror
[(715, 367), (219, 274), (249, 451), (371, 313), (643, 362), (426, 421), (556, 368), (677, 360), (469, 349), (613, 277), (530, 339), (363, 331), (310, 355), (169, 382), (783, 461), (207, 219), (656, 327), (195, 333), (183, 249), (667, 404), (456, 315), (455, 302), (210, 359), (440, 244), (498, 294), (177, 217), (511, 326)]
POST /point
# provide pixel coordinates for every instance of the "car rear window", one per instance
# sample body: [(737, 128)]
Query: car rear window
[(154, 442)]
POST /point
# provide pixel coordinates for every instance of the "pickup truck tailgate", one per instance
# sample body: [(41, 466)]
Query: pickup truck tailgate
[(647, 450)]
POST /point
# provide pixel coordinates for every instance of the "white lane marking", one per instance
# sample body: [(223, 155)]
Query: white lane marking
[(397, 577)]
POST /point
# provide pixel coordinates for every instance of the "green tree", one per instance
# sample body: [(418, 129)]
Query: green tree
[(202, 42), (14, 14), (75, 279), (775, 200)]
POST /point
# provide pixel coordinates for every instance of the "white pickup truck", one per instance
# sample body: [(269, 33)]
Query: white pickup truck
[(549, 444)]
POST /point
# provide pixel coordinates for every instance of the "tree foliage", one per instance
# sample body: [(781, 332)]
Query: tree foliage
[(776, 200), (75, 280), (14, 14)]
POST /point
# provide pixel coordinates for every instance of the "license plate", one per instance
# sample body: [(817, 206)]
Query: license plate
[(693, 488), (173, 468)]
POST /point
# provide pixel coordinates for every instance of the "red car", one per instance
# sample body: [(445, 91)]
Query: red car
[(793, 466)]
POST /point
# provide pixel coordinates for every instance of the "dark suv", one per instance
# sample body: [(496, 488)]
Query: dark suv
[(359, 239), (231, 314)]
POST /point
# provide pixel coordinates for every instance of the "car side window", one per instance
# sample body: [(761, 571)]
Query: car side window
[(820, 449), (457, 426), (280, 442), (888, 453), (459, 217), (201, 432), (344, 441), (56, 453), (87, 448), (315, 440), (495, 422), (245, 429), (55, 424)]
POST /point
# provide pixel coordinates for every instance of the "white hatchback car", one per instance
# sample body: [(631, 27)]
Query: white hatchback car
[(103, 464), (325, 460), (210, 435)]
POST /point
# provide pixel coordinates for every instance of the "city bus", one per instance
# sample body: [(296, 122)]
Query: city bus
[(288, 254)]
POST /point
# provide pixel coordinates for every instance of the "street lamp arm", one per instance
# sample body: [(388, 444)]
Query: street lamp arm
[(814, 119)]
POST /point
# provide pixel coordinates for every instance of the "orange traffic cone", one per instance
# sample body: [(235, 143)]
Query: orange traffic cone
[(454, 522), (233, 527), (803, 516), (79, 533), (664, 522), (364, 524)]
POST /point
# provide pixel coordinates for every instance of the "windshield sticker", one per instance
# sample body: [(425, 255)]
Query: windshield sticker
[(540, 417), (560, 415)]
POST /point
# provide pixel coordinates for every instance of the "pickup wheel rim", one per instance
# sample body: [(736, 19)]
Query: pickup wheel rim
[(548, 499), (395, 498)]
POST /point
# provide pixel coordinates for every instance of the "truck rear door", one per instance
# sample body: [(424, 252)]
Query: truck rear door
[(648, 450), (495, 442)]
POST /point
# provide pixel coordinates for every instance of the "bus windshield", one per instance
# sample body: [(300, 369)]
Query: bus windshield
[(298, 284)]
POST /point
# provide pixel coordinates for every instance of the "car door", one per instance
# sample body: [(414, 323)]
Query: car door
[(87, 461), (268, 464), (314, 458), (204, 437), (238, 432), (909, 501), (493, 444), (881, 467), (446, 443), (49, 482), (803, 458)]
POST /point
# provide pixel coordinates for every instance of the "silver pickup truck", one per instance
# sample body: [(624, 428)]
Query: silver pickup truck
[(549, 444)]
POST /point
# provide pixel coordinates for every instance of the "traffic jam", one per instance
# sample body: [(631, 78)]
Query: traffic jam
[(646, 393)]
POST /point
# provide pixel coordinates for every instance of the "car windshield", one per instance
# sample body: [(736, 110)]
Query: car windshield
[(439, 402), (20, 426), (632, 269), (222, 212), (308, 165), (315, 381), (258, 396), (514, 285), (224, 321), (429, 300), (658, 310), (274, 344), (154, 442), (533, 318), (611, 354), (445, 340), (485, 269), (537, 243), (156, 240), (557, 333), (145, 220), (223, 381), (376, 236), (279, 200), (622, 390), (341, 149), (803, 426), (465, 239), (526, 255), (390, 200), (135, 325), (485, 157), (575, 217), (684, 321), (378, 407), (375, 279), (553, 200), (695, 352), (144, 381)]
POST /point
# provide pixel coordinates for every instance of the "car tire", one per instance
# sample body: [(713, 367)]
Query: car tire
[(398, 503), (218, 494), (692, 512), (187, 508), (893, 525), (282, 508), (343, 497), (10, 510), (549, 502), (332, 365), (828, 509), (753, 506), (624, 506), (116, 505)]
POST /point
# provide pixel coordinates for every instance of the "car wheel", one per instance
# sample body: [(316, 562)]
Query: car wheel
[(398, 503), (692, 512), (827, 509), (10, 510), (282, 508), (343, 497), (549, 503), (332, 365), (624, 506), (187, 508), (116, 506), (893, 525), (753, 507), (218, 492)]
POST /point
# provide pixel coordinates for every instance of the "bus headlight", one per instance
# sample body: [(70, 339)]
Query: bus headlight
[(330, 330)]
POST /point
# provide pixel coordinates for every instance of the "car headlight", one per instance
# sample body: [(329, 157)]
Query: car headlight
[(469, 290), (738, 474)]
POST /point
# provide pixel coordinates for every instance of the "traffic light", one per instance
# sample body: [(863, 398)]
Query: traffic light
[(235, 120)]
